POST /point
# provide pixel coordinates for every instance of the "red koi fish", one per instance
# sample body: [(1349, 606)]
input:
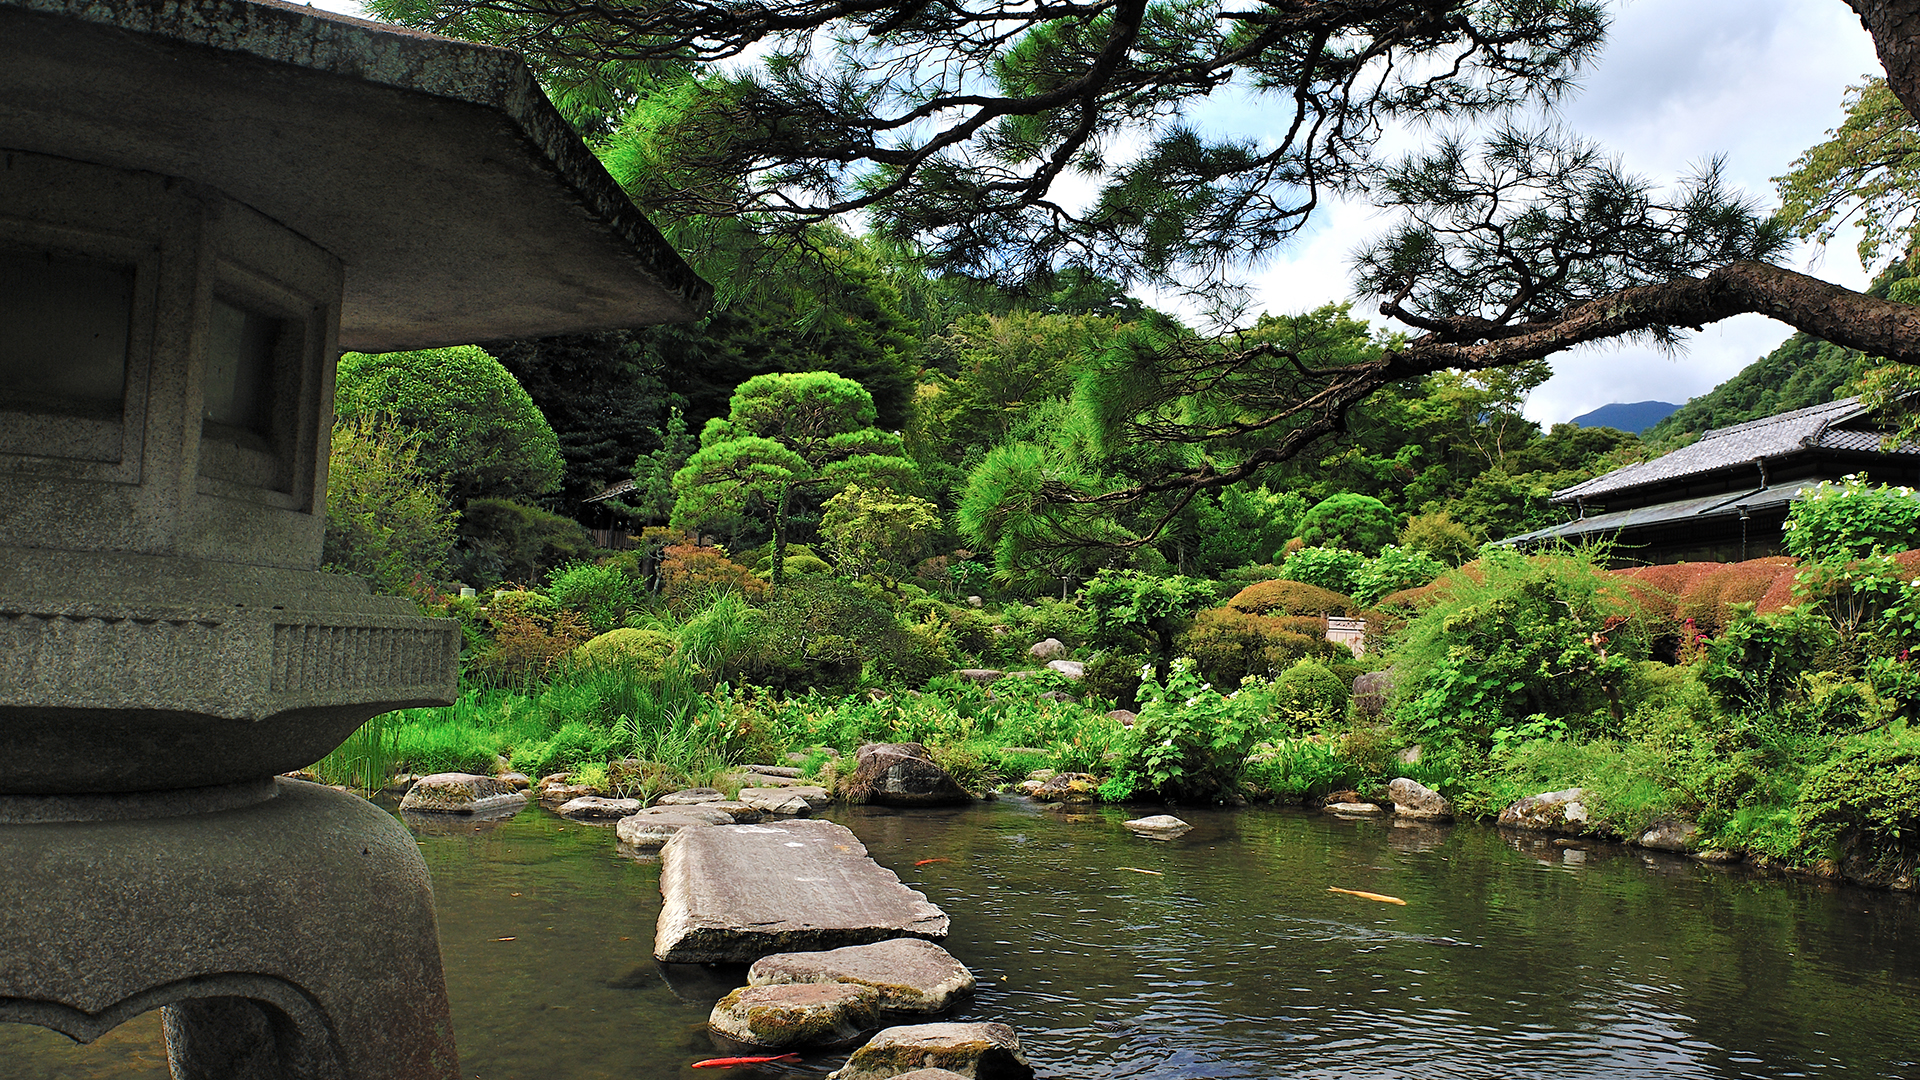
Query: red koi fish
[(734, 1062), (924, 862)]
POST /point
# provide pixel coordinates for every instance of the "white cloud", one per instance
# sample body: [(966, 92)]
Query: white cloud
[(1680, 81)]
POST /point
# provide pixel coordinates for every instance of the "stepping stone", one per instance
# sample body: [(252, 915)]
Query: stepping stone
[(976, 1051), (741, 813), (776, 801), (784, 771), (598, 808), (460, 793), (909, 975), (651, 828), (831, 1014), (1159, 826), (691, 797), (736, 894)]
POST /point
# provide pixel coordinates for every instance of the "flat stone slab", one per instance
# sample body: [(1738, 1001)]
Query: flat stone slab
[(977, 1051), (651, 828), (774, 800), (736, 894), (460, 793), (691, 797), (598, 808), (910, 975), (814, 1014)]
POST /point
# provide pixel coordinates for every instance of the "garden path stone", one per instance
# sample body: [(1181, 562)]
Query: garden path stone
[(598, 808), (976, 1051), (816, 1014), (653, 827), (779, 801), (910, 975), (1412, 799), (691, 797), (741, 813), (459, 793), (735, 894), (1159, 826), (784, 771)]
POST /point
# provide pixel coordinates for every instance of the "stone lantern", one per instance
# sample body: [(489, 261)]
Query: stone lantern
[(201, 203)]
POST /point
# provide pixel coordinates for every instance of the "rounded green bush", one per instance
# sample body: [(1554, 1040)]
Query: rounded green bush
[(644, 651), (1309, 693)]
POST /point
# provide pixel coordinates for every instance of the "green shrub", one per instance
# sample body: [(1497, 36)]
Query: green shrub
[(603, 596), (576, 743), (1188, 742), (1849, 519), (388, 519), (502, 540), (1868, 790), (642, 653), (1229, 645), (1333, 569), (1284, 597), (1438, 535), (1309, 695), (1347, 520), (1757, 664), (1395, 568), (1298, 768), (1115, 676), (1546, 635)]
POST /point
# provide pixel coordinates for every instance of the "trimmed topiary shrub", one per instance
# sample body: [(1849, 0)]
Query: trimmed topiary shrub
[(1291, 598), (1309, 694), (1229, 645), (1359, 523), (645, 652)]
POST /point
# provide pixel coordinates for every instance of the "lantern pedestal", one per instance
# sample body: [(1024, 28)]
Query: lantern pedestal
[(292, 936)]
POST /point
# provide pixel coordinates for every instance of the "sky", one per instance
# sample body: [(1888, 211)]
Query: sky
[(1679, 81)]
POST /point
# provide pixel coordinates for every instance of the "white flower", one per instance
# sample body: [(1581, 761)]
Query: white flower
[(1206, 686)]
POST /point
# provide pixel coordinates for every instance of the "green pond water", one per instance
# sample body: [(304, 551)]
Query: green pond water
[(1511, 957)]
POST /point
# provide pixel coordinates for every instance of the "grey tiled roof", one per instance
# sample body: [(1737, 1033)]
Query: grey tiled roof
[(1814, 427)]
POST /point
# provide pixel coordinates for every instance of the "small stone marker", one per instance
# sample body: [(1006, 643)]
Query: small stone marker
[(736, 894), (978, 1051), (1159, 826), (909, 975), (813, 1014), (460, 793)]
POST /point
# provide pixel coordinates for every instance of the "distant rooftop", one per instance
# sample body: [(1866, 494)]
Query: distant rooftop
[(1832, 426)]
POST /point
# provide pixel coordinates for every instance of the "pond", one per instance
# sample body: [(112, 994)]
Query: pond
[(1220, 955)]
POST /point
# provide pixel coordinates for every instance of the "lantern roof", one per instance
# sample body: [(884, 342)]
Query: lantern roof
[(462, 205)]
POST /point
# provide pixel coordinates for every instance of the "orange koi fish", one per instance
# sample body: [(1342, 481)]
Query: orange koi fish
[(1382, 897), (733, 1062), (924, 862)]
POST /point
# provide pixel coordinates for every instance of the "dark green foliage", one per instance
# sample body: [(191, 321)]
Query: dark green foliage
[(502, 540), (1283, 597), (1129, 608), (483, 435), (1359, 523), (603, 396), (387, 519), (1334, 569), (1756, 665), (1542, 636), (821, 632), (1395, 568), (1115, 676), (602, 595), (1848, 520), (1228, 645), (1309, 694), (1868, 790)]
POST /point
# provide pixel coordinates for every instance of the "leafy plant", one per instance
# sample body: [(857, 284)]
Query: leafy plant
[(1333, 569), (1850, 519), (1188, 741)]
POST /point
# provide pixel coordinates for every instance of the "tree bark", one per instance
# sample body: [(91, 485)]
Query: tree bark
[(1895, 26)]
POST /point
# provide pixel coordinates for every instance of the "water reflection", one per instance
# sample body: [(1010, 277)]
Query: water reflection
[(1221, 954)]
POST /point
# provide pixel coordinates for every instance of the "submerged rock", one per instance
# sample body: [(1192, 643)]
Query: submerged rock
[(1669, 834), (1159, 826), (805, 1014), (1549, 811), (902, 774), (908, 975), (1069, 787), (976, 1051), (1352, 809), (1412, 799), (460, 793)]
